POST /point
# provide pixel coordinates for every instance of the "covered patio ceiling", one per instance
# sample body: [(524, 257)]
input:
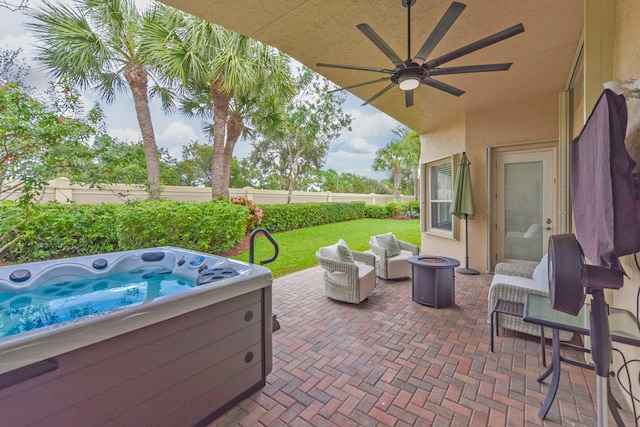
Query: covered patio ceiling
[(313, 31)]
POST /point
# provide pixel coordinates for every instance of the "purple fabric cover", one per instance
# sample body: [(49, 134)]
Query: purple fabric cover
[(606, 213)]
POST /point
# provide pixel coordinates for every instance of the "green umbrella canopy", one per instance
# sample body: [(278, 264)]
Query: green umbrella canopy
[(462, 204)]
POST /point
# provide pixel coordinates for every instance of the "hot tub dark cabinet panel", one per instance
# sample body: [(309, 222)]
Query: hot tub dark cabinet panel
[(179, 372)]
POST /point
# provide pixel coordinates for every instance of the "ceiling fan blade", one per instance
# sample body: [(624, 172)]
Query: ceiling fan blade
[(374, 97), (472, 47), (381, 44), (362, 84), (408, 98), (442, 86), (356, 67), (447, 20), (469, 69)]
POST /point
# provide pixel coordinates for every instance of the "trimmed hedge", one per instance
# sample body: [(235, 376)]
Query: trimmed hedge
[(211, 227), (62, 230), (56, 230), (279, 218), (377, 211)]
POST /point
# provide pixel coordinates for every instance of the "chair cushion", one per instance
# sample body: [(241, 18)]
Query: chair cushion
[(534, 230), (541, 273), (398, 266), (366, 280), (389, 243), (329, 251), (344, 253), (521, 282), (363, 272)]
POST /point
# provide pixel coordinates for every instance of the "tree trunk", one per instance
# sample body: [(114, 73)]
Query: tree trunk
[(416, 184), (221, 103), (292, 185), (397, 180), (136, 76), (235, 126)]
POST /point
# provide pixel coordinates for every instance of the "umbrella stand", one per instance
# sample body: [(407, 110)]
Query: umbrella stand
[(466, 269)]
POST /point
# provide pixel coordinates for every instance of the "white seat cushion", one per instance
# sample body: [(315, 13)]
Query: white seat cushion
[(522, 282), (366, 279), (398, 266)]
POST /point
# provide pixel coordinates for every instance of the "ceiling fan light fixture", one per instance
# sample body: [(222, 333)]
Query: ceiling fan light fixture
[(409, 83)]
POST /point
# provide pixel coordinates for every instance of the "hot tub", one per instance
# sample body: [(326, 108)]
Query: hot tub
[(190, 342)]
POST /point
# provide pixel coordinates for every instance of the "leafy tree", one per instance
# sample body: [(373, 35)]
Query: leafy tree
[(195, 166), (242, 173), (311, 121), (399, 156), (110, 161), (412, 139), (236, 78), (36, 137), (14, 5), (13, 67), (97, 44)]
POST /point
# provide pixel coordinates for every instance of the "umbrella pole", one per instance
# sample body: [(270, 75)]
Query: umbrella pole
[(466, 270)]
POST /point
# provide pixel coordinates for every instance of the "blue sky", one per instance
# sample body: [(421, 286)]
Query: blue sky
[(353, 152)]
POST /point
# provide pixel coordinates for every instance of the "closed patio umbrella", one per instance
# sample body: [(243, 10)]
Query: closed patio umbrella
[(463, 206)]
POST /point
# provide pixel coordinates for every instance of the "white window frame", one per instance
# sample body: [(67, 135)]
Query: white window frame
[(426, 211)]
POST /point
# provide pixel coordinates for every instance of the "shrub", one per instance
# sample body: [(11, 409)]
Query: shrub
[(211, 227), (56, 230), (255, 212), (413, 210), (376, 211), (300, 215), (397, 209)]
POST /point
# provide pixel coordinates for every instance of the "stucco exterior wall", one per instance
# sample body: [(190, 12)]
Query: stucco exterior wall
[(527, 121), (442, 142)]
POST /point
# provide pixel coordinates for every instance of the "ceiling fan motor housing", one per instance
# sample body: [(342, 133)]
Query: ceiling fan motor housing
[(570, 278)]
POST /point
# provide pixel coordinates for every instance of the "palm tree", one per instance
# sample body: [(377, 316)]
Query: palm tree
[(399, 156), (233, 71), (412, 139), (390, 158), (96, 44)]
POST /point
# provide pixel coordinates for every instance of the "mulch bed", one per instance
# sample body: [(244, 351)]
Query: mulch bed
[(243, 246)]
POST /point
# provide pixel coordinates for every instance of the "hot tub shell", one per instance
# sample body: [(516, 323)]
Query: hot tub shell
[(182, 359)]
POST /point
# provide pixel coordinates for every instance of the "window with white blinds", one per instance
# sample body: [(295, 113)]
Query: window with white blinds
[(440, 193), (523, 214)]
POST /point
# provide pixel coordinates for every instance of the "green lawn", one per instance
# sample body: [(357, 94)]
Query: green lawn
[(298, 247)]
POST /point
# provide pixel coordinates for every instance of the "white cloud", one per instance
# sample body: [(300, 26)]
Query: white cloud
[(356, 163), (357, 145), (366, 125), (126, 134), (178, 133)]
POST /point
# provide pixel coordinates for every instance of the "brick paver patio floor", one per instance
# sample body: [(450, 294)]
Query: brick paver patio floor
[(391, 361)]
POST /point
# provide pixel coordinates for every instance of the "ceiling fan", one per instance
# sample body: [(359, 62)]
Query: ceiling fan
[(409, 74)]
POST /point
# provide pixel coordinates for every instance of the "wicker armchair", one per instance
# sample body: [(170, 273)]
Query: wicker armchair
[(513, 282), (348, 281), (393, 267)]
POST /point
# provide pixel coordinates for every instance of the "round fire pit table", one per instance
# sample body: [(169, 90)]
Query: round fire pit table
[(433, 280)]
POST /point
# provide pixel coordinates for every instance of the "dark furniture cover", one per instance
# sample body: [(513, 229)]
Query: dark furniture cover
[(605, 209)]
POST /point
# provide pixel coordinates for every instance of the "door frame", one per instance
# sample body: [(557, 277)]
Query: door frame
[(491, 164)]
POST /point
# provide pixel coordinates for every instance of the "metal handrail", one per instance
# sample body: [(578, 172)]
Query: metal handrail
[(251, 246)]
